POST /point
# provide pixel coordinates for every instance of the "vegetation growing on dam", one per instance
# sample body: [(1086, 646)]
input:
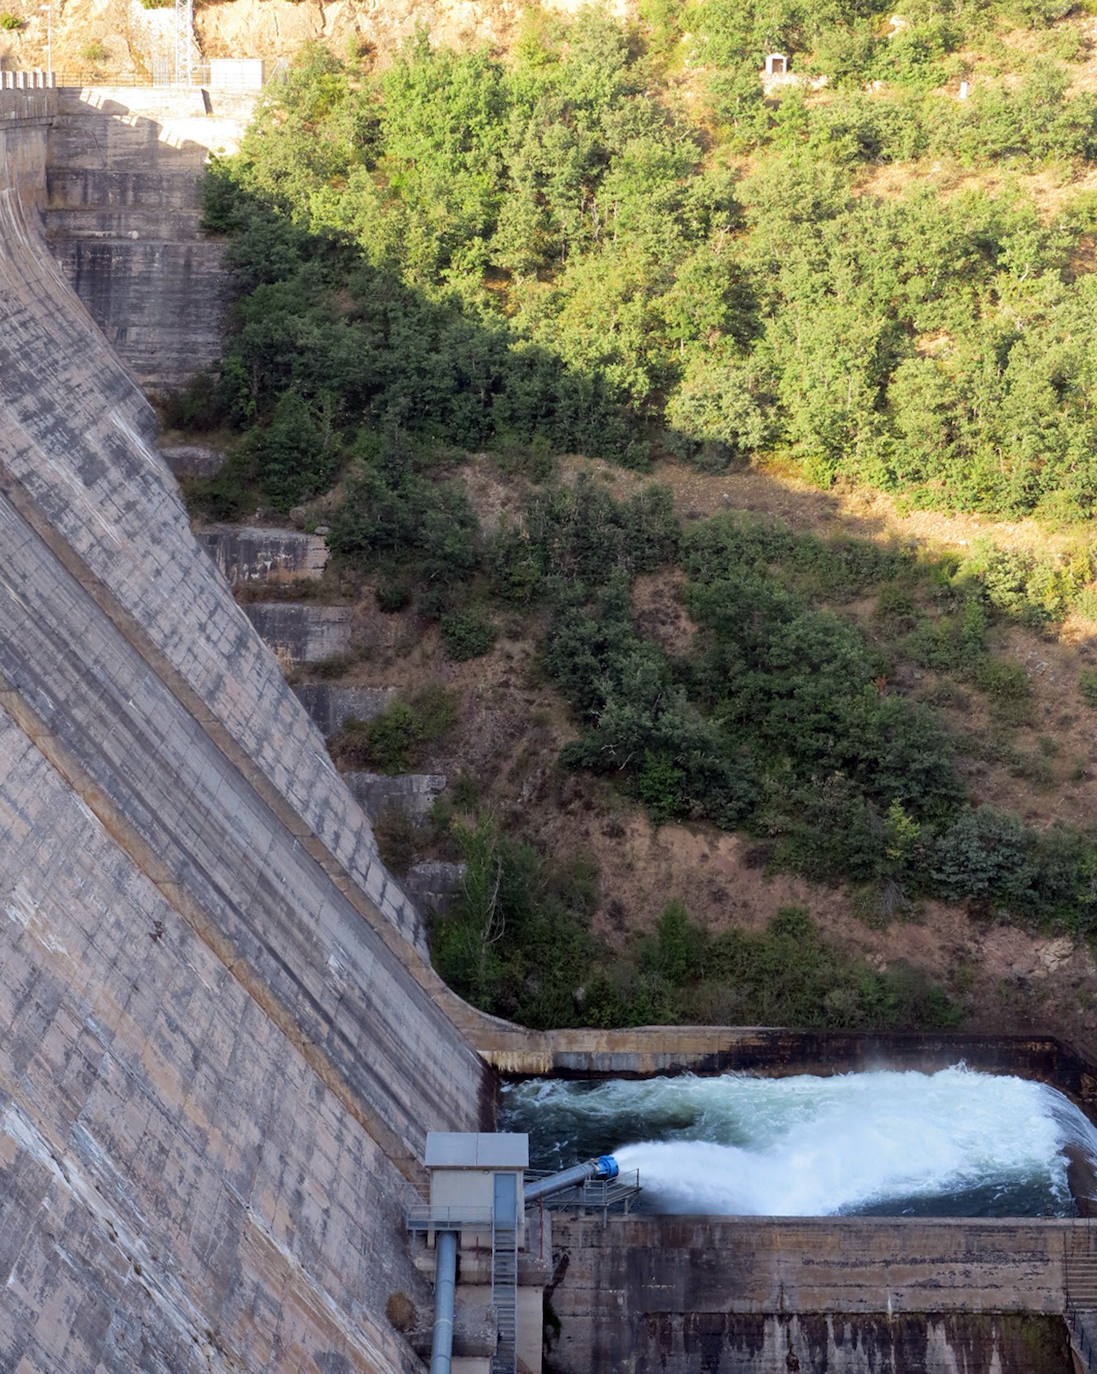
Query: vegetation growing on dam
[(612, 242)]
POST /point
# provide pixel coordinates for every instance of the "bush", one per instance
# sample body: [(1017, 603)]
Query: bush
[(393, 594), (11, 21), (467, 634), (394, 740), (1087, 685), (95, 51)]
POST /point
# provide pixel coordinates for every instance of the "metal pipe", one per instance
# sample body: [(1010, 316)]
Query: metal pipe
[(445, 1286), (605, 1166)]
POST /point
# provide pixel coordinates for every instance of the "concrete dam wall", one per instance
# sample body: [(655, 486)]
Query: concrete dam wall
[(223, 1041), (758, 1296), (122, 218)]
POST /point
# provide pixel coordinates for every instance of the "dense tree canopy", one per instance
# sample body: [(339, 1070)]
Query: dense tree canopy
[(561, 246)]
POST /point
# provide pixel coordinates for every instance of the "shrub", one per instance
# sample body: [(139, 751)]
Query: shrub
[(984, 855), (394, 740), (1087, 685), (393, 594), (467, 634), (95, 51), (11, 21)]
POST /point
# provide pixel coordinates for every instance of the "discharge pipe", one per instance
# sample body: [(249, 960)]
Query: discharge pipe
[(605, 1166), (445, 1284)]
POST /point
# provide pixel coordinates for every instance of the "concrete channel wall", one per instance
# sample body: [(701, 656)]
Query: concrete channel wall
[(222, 1043), (725, 1295), (645, 1051)]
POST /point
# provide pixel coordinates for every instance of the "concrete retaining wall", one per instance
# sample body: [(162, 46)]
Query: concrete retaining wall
[(953, 1343), (649, 1050), (719, 1294), (301, 632), (245, 553), (330, 707), (413, 794)]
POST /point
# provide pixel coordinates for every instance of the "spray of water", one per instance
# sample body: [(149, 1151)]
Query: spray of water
[(950, 1142)]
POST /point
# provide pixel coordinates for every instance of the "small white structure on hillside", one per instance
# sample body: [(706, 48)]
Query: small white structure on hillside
[(778, 73)]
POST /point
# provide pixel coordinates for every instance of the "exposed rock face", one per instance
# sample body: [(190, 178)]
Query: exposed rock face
[(223, 1043), (277, 28)]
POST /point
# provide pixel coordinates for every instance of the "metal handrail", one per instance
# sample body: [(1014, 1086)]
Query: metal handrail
[(594, 1194), (421, 1216)]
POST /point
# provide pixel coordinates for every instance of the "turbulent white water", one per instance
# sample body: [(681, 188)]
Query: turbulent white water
[(947, 1143)]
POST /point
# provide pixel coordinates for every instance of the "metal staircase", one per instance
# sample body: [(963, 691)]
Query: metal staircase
[(1081, 1296), (504, 1274)]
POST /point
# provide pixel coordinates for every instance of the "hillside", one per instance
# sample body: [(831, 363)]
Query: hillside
[(728, 457)]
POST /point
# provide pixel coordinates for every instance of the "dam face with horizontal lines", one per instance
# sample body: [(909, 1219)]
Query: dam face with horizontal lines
[(224, 1043)]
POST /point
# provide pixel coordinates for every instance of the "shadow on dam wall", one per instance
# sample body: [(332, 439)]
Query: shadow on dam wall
[(123, 219)]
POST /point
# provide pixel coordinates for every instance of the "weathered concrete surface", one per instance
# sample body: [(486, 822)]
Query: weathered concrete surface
[(246, 553), (952, 1343), (331, 707), (434, 883), (192, 460), (222, 1045), (301, 631), (123, 219), (179, 1190), (714, 1294), (110, 500), (413, 794), (644, 1051)]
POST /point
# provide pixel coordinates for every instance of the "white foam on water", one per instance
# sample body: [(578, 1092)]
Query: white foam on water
[(812, 1146)]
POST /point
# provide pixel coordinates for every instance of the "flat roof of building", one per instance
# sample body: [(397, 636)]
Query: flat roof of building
[(476, 1150)]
